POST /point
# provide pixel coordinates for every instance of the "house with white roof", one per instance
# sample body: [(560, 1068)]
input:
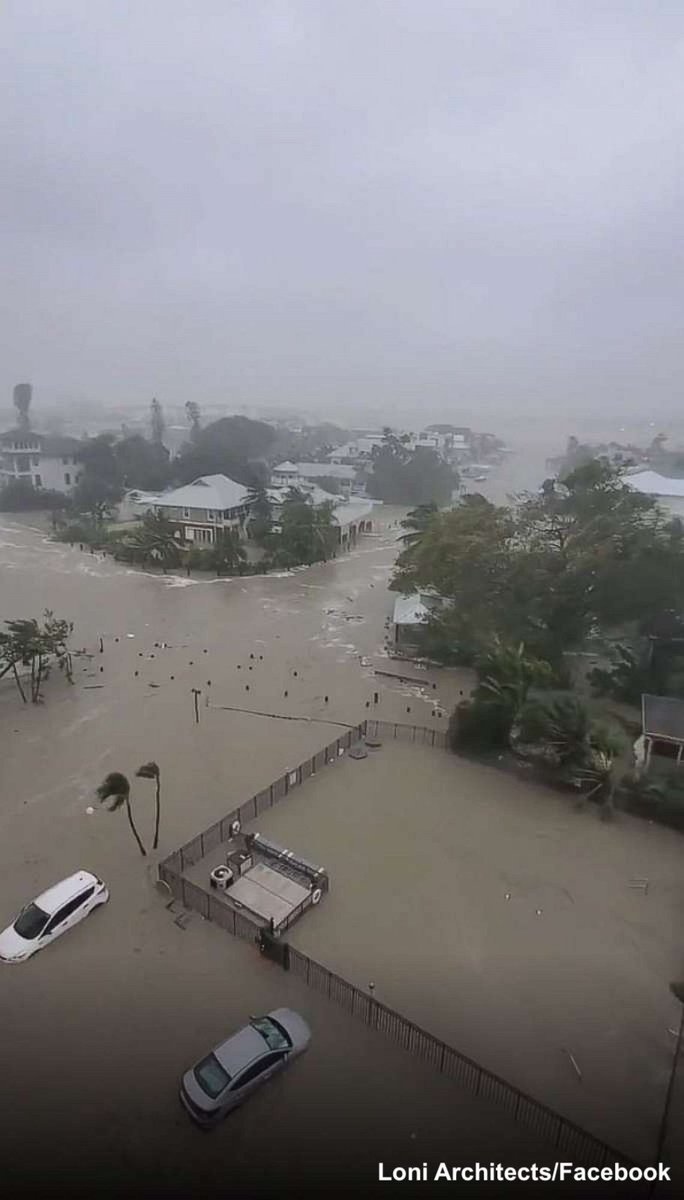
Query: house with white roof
[(293, 474), (205, 507), (668, 492), (285, 473)]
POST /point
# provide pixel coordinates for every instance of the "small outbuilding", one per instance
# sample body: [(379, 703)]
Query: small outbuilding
[(662, 725)]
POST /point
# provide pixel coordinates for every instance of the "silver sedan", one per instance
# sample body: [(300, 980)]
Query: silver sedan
[(236, 1068)]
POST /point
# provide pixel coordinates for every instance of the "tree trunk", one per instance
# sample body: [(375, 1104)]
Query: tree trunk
[(17, 680), (134, 831), (157, 812)]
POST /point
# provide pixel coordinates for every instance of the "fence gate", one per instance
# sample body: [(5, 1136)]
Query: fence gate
[(274, 949)]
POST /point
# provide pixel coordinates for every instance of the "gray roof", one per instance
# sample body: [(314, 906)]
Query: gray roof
[(286, 466), (50, 443), (311, 470), (409, 610), (651, 483), (209, 491), (663, 718)]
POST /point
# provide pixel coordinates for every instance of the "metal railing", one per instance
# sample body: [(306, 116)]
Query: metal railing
[(575, 1142), (418, 734)]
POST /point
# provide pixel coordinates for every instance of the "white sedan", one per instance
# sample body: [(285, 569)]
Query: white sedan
[(51, 914)]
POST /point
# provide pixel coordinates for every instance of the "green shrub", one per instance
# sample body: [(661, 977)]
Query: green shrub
[(19, 496), (658, 795), (479, 725)]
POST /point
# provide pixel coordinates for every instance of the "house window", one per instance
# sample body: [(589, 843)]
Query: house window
[(36, 462), (38, 481), (211, 515), (67, 478), (186, 514), (65, 462)]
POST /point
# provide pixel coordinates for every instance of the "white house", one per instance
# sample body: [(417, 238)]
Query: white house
[(410, 613), (668, 492), (43, 460), (287, 473), (293, 474), (210, 503), (358, 451), (352, 517)]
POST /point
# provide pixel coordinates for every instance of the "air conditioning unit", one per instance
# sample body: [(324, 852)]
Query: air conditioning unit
[(221, 878)]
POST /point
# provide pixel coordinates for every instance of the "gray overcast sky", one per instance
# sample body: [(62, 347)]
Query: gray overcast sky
[(469, 205)]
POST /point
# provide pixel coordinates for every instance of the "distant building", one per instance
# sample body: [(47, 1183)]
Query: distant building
[(410, 615), (308, 472), (668, 492), (42, 460), (352, 516)]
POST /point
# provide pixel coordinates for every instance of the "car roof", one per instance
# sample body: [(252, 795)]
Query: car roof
[(67, 889), (240, 1050)]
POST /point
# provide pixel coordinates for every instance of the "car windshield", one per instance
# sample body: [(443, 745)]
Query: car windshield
[(211, 1076), (273, 1034), (31, 922)]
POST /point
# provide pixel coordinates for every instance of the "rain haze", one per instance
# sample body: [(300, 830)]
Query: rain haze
[(353, 207)]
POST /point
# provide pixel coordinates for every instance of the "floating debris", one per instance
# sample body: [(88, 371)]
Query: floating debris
[(90, 810), (574, 1063)]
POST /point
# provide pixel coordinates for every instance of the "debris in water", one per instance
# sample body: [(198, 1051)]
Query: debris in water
[(508, 896), (574, 1063), (90, 810), (130, 635), (539, 911)]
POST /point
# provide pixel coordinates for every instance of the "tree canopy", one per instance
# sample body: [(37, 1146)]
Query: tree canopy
[(550, 568), (232, 446), (399, 475)]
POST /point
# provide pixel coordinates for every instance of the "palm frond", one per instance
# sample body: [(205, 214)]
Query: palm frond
[(114, 787), (148, 770)]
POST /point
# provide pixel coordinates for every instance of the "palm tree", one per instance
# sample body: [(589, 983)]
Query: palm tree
[(227, 553), (156, 539), (508, 672), (115, 787), (417, 522), (150, 770)]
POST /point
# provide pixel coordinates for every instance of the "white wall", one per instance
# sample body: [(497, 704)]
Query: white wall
[(53, 472)]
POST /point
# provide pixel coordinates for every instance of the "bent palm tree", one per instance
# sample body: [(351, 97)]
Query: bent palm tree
[(150, 770), (115, 787)]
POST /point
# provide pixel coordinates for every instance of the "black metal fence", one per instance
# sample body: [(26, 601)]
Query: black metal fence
[(575, 1143), (417, 734)]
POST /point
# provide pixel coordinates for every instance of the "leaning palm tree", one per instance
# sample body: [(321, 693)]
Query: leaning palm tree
[(117, 789), (150, 770)]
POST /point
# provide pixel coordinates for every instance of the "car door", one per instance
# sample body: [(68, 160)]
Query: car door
[(253, 1076), (66, 916)]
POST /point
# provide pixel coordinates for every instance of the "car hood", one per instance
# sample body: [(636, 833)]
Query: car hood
[(12, 946)]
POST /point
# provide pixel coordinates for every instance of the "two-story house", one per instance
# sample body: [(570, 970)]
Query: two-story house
[(205, 508), (43, 460)]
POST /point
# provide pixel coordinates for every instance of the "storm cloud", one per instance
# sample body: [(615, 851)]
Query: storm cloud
[(470, 206)]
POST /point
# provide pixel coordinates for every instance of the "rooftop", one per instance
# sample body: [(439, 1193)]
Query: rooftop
[(663, 717), (651, 483), (209, 491), (49, 443), (409, 610)]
